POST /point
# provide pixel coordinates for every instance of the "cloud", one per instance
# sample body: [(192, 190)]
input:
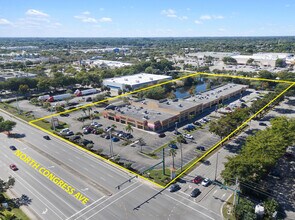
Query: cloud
[(33, 12), (211, 17), (221, 29), (198, 22), (105, 19), (4, 21), (85, 17), (169, 13), (205, 17)]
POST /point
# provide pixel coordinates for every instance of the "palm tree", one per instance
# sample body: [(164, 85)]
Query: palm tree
[(128, 128), (173, 153), (179, 140)]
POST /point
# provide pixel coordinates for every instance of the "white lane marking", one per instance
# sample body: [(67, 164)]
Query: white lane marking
[(70, 159), (102, 202), (214, 191), (196, 203), (113, 201), (223, 195), (38, 197), (110, 175), (190, 207), (85, 169), (102, 178), (86, 207), (52, 192)]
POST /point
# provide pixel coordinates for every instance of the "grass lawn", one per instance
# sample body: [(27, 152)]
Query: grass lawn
[(13, 110), (47, 125), (18, 212), (227, 209)]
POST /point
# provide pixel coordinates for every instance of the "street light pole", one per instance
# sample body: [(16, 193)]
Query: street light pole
[(111, 145), (216, 165)]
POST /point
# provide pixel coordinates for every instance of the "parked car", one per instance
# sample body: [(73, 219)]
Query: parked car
[(177, 133), (206, 119), (107, 137), (262, 124), (89, 99), (46, 137), (197, 179), (174, 146), (189, 127), (206, 182), (195, 192), (69, 133), (12, 147), (115, 139), (201, 148), (188, 136), (174, 187), (73, 138), (275, 174), (161, 135), (13, 167), (197, 123)]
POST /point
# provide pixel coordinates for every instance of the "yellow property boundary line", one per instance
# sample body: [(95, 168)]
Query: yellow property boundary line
[(153, 86)]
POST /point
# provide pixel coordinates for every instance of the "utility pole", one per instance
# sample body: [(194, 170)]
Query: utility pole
[(216, 165), (163, 151), (181, 156), (17, 106), (235, 192)]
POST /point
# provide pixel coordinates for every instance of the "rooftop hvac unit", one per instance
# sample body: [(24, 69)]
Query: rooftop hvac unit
[(180, 105), (137, 81), (140, 77), (151, 78), (126, 79), (167, 103)]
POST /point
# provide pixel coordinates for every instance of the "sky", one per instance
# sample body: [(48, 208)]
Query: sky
[(146, 18)]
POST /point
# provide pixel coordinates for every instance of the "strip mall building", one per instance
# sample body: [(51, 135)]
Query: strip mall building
[(156, 115)]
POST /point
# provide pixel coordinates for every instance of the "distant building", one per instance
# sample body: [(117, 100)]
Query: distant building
[(263, 59), (134, 81)]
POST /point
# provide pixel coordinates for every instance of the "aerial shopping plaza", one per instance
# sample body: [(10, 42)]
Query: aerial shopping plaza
[(160, 115)]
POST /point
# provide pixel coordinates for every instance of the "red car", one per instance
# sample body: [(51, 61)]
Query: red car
[(13, 167), (197, 179)]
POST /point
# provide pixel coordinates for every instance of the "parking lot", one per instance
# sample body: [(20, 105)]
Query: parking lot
[(130, 152)]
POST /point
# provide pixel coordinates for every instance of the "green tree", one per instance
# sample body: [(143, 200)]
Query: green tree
[(172, 153), (7, 126), (245, 210), (59, 109), (280, 63), (229, 60), (23, 88), (180, 139), (270, 206), (7, 216), (128, 128), (10, 182)]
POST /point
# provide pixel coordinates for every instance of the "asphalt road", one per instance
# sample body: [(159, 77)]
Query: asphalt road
[(90, 176)]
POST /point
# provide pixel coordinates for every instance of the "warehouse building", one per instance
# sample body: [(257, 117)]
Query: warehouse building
[(134, 81), (156, 115)]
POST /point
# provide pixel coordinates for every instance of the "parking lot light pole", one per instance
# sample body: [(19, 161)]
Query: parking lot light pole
[(216, 165), (111, 145)]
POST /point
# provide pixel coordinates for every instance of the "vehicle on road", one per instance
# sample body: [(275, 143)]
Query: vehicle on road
[(195, 192), (197, 180), (201, 148), (161, 135), (46, 137), (206, 182), (13, 167), (12, 147), (174, 187)]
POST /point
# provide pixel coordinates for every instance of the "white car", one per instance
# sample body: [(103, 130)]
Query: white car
[(188, 136), (206, 182)]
